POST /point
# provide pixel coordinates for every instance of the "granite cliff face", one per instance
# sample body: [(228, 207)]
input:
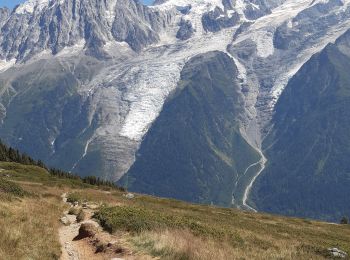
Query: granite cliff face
[(82, 82), (39, 25)]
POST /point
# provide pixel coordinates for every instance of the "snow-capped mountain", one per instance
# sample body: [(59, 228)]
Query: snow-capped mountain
[(81, 82)]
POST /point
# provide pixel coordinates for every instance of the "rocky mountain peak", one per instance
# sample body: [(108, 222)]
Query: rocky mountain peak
[(39, 25), (82, 82)]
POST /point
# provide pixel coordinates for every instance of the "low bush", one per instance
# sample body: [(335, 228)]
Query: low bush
[(74, 197), (11, 188), (73, 211), (137, 219)]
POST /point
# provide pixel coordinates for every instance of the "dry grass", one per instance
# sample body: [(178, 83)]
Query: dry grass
[(186, 231), (165, 229), (28, 228), (182, 244)]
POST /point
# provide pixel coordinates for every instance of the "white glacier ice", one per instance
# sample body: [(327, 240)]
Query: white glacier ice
[(5, 65)]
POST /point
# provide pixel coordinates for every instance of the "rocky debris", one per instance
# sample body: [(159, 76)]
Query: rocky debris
[(242, 28), (4, 14), (185, 31), (252, 13), (65, 221), (84, 240), (184, 9), (64, 197), (86, 230), (99, 242), (129, 196), (337, 253), (217, 19), (71, 252)]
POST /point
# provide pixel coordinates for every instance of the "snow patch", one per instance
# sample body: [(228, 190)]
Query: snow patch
[(110, 12), (30, 6), (264, 43), (198, 8), (240, 6), (194, 3), (281, 82), (262, 31), (5, 65), (72, 50)]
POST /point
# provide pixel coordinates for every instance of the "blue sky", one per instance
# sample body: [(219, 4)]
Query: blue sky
[(12, 3)]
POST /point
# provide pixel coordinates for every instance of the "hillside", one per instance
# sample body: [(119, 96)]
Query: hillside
[(143, 227), (199, 126), (88, 87), (308, 171)]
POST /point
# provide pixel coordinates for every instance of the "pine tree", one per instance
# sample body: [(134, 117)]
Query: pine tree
[(344, 221)]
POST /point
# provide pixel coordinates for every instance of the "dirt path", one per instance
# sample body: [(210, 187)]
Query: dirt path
[(74, 248)]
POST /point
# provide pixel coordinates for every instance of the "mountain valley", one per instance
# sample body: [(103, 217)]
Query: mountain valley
[(235, 103)]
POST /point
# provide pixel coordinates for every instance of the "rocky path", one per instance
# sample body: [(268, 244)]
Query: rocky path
[(80, 249), (67, 233)]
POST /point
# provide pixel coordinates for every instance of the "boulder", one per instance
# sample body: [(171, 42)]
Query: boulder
[(129, 196), (86, 230), (65, 221), (85, 205), (337, 253), (185, 31)]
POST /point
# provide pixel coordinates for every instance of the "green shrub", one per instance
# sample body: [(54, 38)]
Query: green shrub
[(137, 219), (74, 197), (128, 219), (11, 188), (73, 211)]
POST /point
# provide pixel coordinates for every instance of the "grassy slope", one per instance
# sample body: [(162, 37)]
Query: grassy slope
[(28, 216), (152, 226)]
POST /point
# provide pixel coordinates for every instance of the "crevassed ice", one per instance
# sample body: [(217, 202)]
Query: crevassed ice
[(147, 98), (262, 31), (157, 77)]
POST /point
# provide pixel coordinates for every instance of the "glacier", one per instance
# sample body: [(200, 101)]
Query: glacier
[(128, 86)]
